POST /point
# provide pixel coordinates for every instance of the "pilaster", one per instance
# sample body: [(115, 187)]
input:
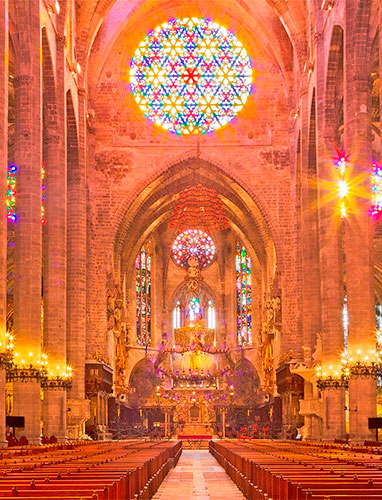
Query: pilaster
[(4, 56)]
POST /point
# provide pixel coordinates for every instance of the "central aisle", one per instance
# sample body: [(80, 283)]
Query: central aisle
[(197, 476)]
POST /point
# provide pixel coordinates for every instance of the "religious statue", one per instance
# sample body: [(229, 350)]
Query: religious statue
[(115, 310), (271, 327)]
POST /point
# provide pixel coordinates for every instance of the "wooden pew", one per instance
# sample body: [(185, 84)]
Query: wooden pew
[(282, 471), (103, 471)]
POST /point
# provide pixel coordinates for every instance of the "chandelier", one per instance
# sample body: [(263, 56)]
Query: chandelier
[(199, 207)]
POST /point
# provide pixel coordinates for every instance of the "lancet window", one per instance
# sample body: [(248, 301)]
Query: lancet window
[(176, 315), (243, 295), (143, 294), (211, 321)]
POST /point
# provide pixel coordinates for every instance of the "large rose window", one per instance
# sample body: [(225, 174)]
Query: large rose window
[(193, 243), (191, 76)]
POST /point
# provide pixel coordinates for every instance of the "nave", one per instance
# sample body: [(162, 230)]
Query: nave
[(197, 476)]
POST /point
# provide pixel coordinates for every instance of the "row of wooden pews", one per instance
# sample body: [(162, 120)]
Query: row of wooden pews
[(113, 470), (279, 470)]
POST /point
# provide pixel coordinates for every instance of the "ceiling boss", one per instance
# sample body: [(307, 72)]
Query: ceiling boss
[(191, 76)]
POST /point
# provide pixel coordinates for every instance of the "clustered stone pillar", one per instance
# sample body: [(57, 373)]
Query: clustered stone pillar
[(54, 239), (358, 227), (4, 54), (76, 286), (330, 251), (28, 248)]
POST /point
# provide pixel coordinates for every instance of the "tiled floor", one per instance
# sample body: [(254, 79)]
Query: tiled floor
[(197, 476)]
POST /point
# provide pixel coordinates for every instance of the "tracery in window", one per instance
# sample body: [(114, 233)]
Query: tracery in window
[(176, 316), (190, 76), (193, 243), (243, 295), (143, 294)]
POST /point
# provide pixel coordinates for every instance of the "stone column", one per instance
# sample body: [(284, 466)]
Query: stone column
[(310, 272), (358, 226), (27, 291), (330, 254), (54, 233), (77, 256), (4, 55)]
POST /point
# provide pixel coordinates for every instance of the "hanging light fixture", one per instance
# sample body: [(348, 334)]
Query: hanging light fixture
[(199, 207)]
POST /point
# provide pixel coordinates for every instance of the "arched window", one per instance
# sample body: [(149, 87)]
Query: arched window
[(143, 294), (176, 316), (243, 295), (211, 321)]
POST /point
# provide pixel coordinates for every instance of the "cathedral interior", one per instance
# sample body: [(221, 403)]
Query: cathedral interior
[(190, 225)]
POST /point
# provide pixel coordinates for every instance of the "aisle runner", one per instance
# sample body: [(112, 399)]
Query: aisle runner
[(198, 477)]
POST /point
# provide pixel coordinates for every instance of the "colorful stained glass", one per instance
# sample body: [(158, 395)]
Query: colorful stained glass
[(191, 76), (143, 294), (194, 309), (193, 243), (243, 295), (341, 163), (11, 194), (376, 185)]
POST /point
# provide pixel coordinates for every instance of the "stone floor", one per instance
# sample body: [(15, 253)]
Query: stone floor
[(197, 476)]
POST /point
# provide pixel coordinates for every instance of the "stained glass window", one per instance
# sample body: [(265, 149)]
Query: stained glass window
[(243, 295), (194, 309), (190, 76), (11, 193), (193, 243), (143, 294)]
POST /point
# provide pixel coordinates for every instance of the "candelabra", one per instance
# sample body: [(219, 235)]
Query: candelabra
[(332, 382), (58, 382), (33, 369), (355, 365), (26, 372)]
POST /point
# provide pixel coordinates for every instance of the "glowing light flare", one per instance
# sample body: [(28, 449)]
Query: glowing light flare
[(341, 161), (190, 76)]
